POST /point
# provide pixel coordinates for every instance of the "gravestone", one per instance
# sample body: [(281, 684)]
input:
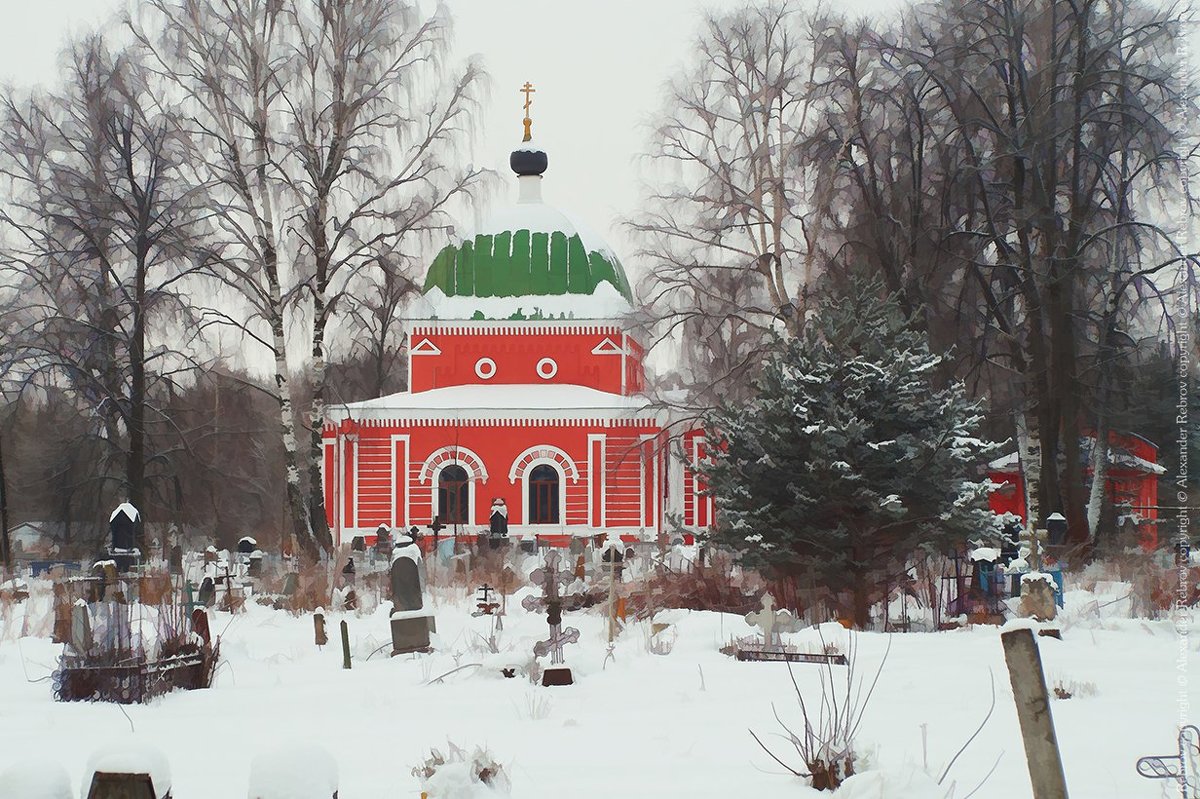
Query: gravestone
[(319, 635), (773, 623), (122, 527), (1038, 597), (411, 621), (200, 625), (127, 770), (614, 557), (81, 628), (246, 545), (383, 542), (254, 564), (175, 562), (358, 544), (62, 614), (208, 592), (498, 524)]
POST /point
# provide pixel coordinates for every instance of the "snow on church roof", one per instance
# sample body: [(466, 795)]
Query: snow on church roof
[(548, 401), (528, 250)]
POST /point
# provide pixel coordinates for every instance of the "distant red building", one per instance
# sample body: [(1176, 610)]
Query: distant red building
[(525, 385), (1132, 482)]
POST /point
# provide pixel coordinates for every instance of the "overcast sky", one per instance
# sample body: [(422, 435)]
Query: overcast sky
[(599, 69)]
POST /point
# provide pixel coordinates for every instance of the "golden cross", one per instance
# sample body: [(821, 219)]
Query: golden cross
[(527, 90)]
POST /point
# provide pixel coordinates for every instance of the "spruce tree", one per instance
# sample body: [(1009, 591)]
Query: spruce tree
[(850, 457)]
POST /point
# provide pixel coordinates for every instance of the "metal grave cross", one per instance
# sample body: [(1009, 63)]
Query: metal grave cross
[(553, 645), (1175, 767), (548, 577), (772, 622), (484, 601)]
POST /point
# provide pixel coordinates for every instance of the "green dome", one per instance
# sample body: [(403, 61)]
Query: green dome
[(525, 262)]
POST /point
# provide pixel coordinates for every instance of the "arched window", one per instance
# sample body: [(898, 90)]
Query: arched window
[(454, 495), (543, 495)]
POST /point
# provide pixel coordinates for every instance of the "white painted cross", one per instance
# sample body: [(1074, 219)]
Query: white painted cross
[(772, 622)]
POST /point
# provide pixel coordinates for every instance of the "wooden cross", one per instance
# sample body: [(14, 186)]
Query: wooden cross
[(772, 622), (527, 90)]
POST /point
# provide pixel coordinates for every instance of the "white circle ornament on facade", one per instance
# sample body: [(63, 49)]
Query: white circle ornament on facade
[(485, 368), (547, 368)]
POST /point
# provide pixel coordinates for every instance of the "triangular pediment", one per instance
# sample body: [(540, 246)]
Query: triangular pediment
[(425, 347), (607, 347)]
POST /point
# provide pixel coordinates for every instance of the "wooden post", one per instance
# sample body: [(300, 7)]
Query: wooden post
[(346, 646), (1033, 712)]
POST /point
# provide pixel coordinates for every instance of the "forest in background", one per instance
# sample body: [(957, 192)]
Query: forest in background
[(237, 175)]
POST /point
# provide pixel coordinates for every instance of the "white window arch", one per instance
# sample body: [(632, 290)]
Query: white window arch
[(543, 455)]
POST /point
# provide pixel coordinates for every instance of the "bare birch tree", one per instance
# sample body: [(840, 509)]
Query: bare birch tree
[(229, 61), (374, 118)]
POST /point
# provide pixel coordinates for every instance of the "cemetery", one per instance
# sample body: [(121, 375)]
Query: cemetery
[(493, 670), (317, 491)]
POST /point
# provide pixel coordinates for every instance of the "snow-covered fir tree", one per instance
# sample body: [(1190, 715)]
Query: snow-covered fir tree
[(851, 457)]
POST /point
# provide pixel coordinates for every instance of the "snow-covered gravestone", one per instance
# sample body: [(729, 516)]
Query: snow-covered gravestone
[(296, 771), (773, 623), (122, 528), (81, 628), (127, 770), (411, 621)]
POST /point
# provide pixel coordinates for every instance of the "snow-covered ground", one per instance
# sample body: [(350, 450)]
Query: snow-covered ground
[(642, 725)]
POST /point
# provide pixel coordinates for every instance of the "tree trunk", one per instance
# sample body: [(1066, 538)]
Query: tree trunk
[(1029, 460), (316, 456), (5, 547), (135, 467), (301, 527), (1099, 478)]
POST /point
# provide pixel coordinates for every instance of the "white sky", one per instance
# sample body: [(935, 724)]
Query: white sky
[(599, 69)]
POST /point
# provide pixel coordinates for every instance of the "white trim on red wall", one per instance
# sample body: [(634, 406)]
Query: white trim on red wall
[(400, 470)]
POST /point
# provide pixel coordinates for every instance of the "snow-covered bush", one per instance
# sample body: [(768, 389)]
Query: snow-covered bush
[(459, 775), (825, 744)]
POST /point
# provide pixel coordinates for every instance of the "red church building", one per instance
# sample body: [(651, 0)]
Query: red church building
[(1131, 482), (526, 385)]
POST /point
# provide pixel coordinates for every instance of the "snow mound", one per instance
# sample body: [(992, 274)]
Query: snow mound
[(893, 783), (456, 781), (37, 778), (130, 755), (294, 771)]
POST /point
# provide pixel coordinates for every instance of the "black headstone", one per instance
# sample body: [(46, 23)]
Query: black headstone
[(406, 585), (123, 529), (175, 562), (246, 545), (499, 525)]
